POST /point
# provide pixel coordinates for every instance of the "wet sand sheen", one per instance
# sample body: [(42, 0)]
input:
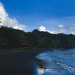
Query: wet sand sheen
[(16, 62)]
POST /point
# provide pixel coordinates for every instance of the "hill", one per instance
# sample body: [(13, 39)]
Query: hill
[(18, 39)]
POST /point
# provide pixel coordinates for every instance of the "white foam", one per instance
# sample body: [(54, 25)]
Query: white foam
[(66, 67)]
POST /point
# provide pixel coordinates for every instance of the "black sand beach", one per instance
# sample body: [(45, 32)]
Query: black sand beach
[(17, 62)]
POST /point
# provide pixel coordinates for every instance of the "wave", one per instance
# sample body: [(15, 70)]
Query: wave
[(66, 67), (58, 62)]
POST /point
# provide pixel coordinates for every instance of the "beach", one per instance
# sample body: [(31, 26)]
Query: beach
[(17, 62)]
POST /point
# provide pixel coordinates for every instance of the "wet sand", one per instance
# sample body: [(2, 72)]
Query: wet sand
[(17, 62)]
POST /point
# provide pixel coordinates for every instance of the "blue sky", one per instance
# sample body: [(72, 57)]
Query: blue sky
[(57, 16)]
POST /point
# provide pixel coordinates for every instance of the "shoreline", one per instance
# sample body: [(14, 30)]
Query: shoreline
[(18, 62)]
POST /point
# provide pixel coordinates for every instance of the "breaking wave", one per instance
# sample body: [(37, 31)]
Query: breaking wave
[(57, 62)]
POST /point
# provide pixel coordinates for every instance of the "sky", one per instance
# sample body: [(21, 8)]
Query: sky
[(53, 16)]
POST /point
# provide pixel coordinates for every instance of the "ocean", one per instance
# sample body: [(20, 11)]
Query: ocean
[(56, 62)]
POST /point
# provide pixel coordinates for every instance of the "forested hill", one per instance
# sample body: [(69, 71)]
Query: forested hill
[(12, 38)]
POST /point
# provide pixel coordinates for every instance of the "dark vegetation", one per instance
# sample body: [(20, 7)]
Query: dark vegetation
[(18, 39)]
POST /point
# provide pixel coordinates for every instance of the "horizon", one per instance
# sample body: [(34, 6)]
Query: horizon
[(34, 30), (51, 16)]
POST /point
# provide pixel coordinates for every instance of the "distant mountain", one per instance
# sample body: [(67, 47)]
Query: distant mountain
[(12, 38)]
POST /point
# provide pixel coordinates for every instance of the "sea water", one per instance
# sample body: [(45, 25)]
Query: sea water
[(56, 62)]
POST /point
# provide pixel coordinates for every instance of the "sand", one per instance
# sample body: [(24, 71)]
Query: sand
[(17, 62)]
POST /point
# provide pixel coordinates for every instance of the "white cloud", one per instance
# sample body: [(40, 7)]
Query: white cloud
[(72, 27), (73, 33), (60, 26), (64, 29), (64, 25), (59, 29), (6, 21), (42, 28), (52, 32)]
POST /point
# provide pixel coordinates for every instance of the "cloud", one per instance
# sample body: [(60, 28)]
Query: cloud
[(59, 29), (72, 27), (6, 21), (60, 26), (42, 28), (72, 33), (52, 32), (65, 29)]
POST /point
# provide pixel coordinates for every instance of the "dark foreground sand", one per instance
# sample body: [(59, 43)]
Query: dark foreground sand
[(17, 62)]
